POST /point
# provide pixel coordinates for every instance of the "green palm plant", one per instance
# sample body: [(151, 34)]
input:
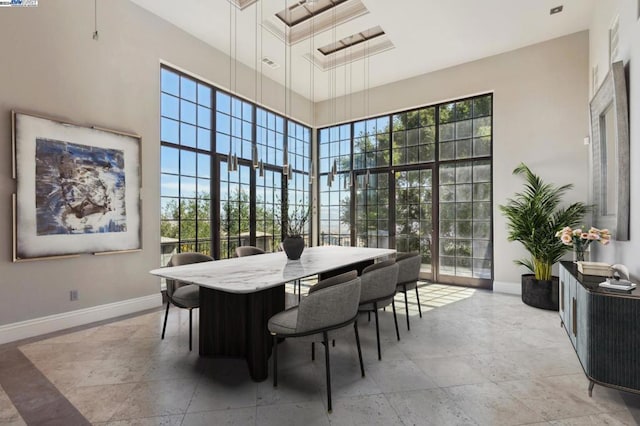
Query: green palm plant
[(534, 216)]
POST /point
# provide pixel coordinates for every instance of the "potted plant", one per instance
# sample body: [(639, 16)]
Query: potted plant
[(533, 217), (294, 226)]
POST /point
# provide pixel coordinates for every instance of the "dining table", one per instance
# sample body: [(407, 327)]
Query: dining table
[(239, 295)]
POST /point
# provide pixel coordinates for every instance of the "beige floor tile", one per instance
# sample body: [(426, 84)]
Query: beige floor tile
[(370, 410), (149, 421), (621, 418), (99, 403), (234, 417), (296, 414), (225, 385), (115, 371), (451, 371), (399, 375), (546, 398), (295, 384), (433, 407), (488, 404), (157, 398)]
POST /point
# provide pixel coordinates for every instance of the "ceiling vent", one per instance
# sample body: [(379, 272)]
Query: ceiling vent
[(270, 63)]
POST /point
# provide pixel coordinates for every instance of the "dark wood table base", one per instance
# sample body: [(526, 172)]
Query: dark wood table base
[(235, 325)]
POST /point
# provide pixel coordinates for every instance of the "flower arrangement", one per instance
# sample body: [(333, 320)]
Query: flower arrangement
[(580, 240)]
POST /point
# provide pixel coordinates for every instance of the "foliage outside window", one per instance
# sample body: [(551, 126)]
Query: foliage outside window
[(200, 127)]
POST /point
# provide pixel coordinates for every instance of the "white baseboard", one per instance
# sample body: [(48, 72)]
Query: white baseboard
[(37, 326), (507, 287)]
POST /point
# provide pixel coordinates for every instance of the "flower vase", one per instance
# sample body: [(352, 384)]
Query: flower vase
[(293, 247), (580, 253)]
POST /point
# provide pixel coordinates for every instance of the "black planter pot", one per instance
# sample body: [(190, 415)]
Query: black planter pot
[(541, 294), (293, 247)]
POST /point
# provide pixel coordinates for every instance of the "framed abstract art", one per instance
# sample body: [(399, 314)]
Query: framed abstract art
[(78, 189)]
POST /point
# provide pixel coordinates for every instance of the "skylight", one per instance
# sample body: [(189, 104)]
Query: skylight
[(304, 10), (352, 40)]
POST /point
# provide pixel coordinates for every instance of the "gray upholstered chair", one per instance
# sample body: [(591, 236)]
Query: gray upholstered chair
[(378, 290), (331, 306), (186, 296), (408, 274), (243, 251)]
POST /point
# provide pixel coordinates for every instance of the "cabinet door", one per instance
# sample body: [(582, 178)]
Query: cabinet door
[(582, 325), (571, 306), (561, 287)]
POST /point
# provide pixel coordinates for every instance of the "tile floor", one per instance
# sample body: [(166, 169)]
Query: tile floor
[(476, 357)]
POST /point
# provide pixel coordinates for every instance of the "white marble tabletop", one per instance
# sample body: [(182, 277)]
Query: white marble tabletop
[(254, 273)]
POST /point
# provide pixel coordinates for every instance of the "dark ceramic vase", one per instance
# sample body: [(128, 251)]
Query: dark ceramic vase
[(541, 294), (293, 247)]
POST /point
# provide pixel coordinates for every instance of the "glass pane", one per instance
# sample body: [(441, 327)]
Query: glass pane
[(169, 131), (169, 82)]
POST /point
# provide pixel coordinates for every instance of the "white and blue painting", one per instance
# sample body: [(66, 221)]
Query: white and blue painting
[(80, 189)]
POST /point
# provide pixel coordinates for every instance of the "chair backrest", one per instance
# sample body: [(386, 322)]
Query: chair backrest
[(379, 280), (184, 259), (338, 279), (248, 251), (409, 267), (330, 305)]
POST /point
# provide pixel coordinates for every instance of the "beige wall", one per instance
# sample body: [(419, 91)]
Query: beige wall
[(625, 252), (540, 117), (52, 66)]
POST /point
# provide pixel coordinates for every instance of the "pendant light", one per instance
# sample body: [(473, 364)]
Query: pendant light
[(232, 159)]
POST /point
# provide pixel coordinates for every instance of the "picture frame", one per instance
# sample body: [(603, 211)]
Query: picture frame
[(77, 189)]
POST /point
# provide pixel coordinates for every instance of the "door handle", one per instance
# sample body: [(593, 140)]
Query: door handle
[(574, 318)]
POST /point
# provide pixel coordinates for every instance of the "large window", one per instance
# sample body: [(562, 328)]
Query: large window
[(207, 206), (186, 164), (421, 182)]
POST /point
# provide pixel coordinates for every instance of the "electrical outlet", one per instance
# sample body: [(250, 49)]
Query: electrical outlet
[(73, 295)]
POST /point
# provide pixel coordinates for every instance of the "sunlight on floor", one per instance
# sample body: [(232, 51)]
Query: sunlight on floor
[(431, 295), (437, 295)]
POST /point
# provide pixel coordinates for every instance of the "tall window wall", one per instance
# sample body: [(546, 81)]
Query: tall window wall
[(335, 200), (207, 207), (421, 182)]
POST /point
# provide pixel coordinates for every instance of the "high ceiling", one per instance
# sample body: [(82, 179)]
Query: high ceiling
[(427, 35)]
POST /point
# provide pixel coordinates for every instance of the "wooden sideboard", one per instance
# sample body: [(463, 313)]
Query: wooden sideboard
[(603, 326)]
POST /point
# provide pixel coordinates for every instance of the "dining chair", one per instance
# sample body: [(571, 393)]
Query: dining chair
[(331, 306), (243, 251), (408, 275), (182, 295), (379, 283)]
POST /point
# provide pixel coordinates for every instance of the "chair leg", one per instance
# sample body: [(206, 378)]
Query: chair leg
[(275, 361), (313, 351), (395, 318), (369, 316), (328, 367), (375, 313), (406, 305), (299, 290), (418, 299), (190, 328), (355, 327), (166, 315)]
